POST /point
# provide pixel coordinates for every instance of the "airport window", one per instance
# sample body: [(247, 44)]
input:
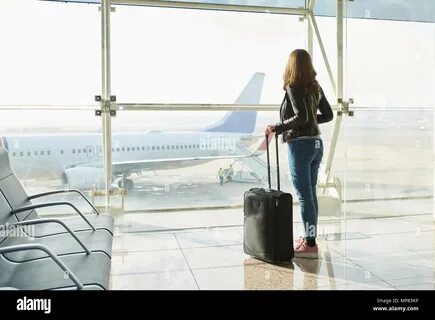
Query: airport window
[(42, 153), (48, 152), (28, 153)]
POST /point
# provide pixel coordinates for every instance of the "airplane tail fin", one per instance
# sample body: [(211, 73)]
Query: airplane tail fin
[(242, 121)]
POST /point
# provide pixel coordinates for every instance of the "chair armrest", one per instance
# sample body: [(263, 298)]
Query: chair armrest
[(44, 220), (49, 193), (26, 247), (52, 204)]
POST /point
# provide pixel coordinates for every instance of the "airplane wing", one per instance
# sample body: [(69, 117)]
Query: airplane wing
[(161, 164)]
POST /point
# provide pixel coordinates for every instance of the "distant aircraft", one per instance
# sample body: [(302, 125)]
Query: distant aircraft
[(77, 158)]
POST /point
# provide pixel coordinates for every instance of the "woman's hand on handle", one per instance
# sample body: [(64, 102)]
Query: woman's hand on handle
[(269, 129)]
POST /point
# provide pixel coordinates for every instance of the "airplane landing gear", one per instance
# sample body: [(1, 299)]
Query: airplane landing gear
[(127, 184)]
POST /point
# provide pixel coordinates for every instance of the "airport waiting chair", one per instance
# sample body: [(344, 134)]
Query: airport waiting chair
[(23, 208), (71, 242), (74, 272)]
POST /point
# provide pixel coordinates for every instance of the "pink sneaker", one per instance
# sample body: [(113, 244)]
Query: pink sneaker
[(297, 242), (303, 250)]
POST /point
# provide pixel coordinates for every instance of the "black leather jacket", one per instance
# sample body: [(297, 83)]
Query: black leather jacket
[(298, 114)]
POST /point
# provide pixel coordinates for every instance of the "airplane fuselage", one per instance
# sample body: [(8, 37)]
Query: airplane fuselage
[(39, 156)]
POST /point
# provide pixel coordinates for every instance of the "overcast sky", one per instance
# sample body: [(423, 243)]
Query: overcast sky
[(50, 54)]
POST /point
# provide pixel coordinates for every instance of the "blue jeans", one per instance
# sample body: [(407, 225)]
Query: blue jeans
[(304, 157)]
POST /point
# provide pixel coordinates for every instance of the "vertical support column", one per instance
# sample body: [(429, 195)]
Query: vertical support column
[(105, 95), (433, 164), (340, 40), (338, 91), (309, 39)]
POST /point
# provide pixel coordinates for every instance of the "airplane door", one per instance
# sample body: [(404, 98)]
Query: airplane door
[(90, 151), (99, 151)]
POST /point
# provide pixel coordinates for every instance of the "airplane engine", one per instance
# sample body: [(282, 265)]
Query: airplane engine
[(84, 178)]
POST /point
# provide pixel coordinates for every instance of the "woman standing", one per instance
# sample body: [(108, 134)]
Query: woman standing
[(299, 128)]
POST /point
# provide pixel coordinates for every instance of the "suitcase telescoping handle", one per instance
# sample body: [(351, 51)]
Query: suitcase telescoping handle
[(268, 161)]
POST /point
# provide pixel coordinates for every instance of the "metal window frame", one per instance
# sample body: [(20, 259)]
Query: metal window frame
[(107, 105), (211, 6)]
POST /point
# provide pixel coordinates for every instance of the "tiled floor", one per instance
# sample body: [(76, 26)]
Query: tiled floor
[(366, 254)]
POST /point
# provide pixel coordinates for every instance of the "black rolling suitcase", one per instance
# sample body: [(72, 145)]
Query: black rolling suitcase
[(268, 220)]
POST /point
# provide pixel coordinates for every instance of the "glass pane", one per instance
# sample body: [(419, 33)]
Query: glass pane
[(54, 150), (402, 10), (154, 145), (51, 53), (268, 3), (161, 55), (394, 67), (389, 155)]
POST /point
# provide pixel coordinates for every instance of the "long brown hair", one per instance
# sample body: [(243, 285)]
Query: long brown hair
[(300, 72)]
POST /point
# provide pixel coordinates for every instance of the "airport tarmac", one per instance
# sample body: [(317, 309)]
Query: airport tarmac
[(191, 199), (385, 170)]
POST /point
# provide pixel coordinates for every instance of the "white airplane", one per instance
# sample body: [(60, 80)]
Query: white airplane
[(77, 158)]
